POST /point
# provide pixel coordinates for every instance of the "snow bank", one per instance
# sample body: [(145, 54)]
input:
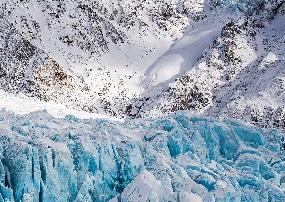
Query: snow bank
[(22, 104)]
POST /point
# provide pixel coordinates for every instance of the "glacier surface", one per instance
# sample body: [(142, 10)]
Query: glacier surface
[(176, 158)]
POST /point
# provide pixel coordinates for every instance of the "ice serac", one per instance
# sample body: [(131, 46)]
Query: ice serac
[(177, 158)]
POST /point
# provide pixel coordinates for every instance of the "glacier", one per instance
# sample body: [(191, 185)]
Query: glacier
[(180, 157)]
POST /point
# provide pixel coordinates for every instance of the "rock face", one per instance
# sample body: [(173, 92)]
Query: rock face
[(178, 158), (148, 58)]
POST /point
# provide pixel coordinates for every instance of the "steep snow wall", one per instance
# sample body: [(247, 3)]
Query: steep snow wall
[(177, 158)]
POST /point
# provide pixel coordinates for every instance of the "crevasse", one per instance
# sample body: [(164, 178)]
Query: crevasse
[(177, 158)]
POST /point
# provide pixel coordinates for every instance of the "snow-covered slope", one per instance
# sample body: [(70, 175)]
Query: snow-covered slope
[(147, 58), (96, 49), (22, 104), (185, 52), (240, 74), (178, 158)]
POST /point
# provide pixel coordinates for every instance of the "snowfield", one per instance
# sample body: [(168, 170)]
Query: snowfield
[(147, 59), (177, 158), (22, 104), (239, 73), (185, 52)]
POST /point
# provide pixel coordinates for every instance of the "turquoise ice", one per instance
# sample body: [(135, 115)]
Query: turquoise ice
[(177, 158)]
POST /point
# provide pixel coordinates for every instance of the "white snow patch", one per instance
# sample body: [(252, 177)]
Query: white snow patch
[(183, 54), (271, 58), (21, 104)]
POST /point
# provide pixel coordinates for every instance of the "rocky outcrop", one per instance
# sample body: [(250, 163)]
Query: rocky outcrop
[(240, 75)]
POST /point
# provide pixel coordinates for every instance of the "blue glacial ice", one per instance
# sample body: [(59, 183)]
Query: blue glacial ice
[(177, 158)]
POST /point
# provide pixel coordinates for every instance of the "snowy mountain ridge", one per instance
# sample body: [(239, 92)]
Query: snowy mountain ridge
[(240, 75), (147, 58)]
